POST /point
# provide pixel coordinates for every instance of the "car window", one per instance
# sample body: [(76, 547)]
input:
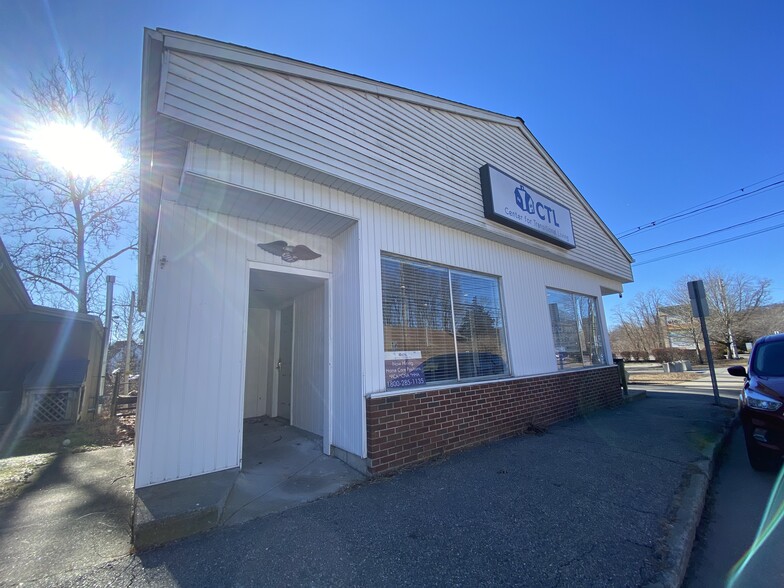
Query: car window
[(769, 359)]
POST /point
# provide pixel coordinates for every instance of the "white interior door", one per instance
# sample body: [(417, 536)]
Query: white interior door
[(257, 360), (284, 363)]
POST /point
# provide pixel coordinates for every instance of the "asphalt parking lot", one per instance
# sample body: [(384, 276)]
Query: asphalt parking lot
[(590, 502)]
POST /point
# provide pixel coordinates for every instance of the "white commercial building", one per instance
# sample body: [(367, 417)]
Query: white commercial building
[(397, 273)]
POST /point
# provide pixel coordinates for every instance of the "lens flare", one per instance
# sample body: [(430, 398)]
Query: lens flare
[(773, 517), (75, 149)]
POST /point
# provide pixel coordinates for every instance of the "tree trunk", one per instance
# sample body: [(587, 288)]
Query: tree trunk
[(80, 258)]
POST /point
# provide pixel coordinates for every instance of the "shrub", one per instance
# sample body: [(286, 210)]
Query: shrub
[(663, 355), (669, 354), (679, 354)]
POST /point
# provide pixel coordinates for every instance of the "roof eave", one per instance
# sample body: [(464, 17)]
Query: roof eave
[(561, 174), (149, 189), (67, 315), (187, 43), (10, 275)]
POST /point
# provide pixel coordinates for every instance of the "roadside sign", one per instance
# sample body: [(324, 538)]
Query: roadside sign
[(699, 309), (699, 304)]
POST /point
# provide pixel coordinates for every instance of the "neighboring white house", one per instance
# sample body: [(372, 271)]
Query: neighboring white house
[(397, 273)]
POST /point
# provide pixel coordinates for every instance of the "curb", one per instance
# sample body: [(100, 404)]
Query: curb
[(635, 396), (680, 539)]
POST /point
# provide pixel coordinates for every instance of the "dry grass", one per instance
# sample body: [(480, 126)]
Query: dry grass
[(81, 436), (33, 452), (15, 472)]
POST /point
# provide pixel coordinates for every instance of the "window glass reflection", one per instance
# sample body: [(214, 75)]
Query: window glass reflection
[(440, 325), (577, 330)]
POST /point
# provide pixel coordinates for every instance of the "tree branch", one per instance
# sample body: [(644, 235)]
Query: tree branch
[(46, 279), (100, 264)]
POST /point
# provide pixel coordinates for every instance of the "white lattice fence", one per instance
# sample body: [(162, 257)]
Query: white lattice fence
[(52, 406)]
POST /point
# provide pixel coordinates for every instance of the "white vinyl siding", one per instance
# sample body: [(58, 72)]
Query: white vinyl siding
[(348, 405), (192, 395), (423, 159), (192, 382), (257, 359), (352, 173), (192, 416)]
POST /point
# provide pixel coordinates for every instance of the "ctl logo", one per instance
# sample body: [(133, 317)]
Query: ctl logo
[(526, 202)]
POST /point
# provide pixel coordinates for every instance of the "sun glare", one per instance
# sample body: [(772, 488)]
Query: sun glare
[(78, 150)]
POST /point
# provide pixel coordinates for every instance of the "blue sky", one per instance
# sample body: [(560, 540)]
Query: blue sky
[(650, 108)]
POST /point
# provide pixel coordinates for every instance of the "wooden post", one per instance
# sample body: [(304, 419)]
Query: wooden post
[(128, 341)]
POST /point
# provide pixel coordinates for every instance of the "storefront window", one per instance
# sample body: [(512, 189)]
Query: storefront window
[(440, 325), (576, 330)]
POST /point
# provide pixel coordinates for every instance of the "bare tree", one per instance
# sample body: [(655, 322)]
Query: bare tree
[(64, 230), (736, 310), (679, 307), (640, 322), (735, 307), (766, 320), (733, 299)]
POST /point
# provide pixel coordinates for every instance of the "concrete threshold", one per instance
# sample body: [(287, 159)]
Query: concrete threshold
[(174, 510), (283, 467)]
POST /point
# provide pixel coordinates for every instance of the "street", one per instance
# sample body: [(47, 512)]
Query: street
[(733, 511)]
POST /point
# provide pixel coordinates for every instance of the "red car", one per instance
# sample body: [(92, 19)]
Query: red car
[(761, 403)]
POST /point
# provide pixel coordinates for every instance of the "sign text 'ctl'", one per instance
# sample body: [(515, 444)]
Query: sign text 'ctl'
[(526, 202)]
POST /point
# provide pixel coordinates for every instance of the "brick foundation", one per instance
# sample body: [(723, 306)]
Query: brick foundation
[(417, 426)]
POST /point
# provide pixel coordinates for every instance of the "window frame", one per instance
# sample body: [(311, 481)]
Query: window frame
[(451, 383), (600, 325)]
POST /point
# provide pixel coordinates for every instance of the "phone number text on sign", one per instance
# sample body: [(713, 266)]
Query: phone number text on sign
[(403, 373)]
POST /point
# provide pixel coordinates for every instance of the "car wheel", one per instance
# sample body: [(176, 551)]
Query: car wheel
[(761, 459)]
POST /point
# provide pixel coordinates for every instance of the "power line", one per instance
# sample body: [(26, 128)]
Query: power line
[(689, 212), (704, 206), (743, 189), (707, 246), (759, 218)]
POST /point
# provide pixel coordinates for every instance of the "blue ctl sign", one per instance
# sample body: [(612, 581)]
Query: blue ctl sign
[(512, 203), (527, 204)]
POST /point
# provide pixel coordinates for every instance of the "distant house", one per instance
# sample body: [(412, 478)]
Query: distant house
[(116, 357), (49, 358), (683, 331)]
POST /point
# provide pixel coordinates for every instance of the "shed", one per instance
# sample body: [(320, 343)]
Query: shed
[(35, 335), (52, 390)]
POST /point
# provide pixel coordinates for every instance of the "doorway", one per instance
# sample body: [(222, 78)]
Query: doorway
[(286, 372)]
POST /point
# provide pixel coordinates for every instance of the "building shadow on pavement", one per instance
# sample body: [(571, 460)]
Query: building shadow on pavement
[(74, 513)]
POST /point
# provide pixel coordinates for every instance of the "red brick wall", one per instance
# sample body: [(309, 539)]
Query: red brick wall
[(414, 427)]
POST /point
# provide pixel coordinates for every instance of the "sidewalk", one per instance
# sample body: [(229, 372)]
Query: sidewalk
[(72, 517), (611, 499), (729, 386)]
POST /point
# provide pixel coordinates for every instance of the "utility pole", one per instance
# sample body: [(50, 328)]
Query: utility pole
[(126, 382), (107, 333)]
